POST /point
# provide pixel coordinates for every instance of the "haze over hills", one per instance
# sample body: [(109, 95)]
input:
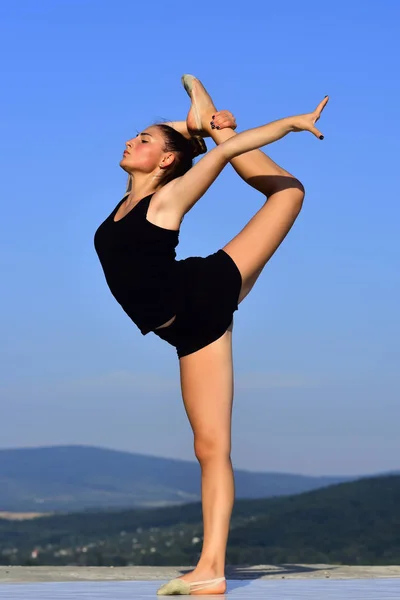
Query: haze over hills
[(73, 478), (354, 523)]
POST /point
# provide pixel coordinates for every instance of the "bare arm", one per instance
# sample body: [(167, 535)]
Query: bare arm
[(180, 126), (257, 137), (182, 193), (183, 127), (189, 188)]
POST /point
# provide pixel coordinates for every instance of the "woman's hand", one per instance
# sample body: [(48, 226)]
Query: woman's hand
[(307, 122), (223, 119), (220, 119)]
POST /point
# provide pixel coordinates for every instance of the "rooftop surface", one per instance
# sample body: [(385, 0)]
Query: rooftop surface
[(354, 589), (286, 582)]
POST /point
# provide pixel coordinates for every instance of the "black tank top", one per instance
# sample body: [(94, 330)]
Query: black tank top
[(138, 260)]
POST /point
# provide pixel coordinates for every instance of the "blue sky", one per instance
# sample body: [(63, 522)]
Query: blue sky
[(316, 346)]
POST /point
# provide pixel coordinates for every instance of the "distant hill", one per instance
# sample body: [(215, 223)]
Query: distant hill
[(352, 523), (74, 478), (355, 523)]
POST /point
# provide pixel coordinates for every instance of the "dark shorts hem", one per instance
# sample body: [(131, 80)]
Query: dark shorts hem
[(209, 294)]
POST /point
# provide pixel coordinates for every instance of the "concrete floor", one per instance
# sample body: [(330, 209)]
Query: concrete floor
[(234, 573), (327, 589), (283, 582)]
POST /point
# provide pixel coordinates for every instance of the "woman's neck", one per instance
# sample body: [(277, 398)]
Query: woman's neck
[(142, 186)]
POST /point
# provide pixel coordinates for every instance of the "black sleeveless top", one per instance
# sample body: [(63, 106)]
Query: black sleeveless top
[(138, 260)]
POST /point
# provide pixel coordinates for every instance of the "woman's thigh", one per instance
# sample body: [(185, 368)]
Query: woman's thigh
[(256, 243), (207, 392)]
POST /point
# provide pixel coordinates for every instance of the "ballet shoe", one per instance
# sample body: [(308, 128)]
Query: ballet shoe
[(202, 106), (179, 587), (187, 81)]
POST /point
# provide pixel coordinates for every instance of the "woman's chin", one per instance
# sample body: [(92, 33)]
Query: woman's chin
[(126, 162)]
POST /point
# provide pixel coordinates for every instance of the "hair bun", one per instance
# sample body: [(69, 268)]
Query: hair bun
[(197, 145)]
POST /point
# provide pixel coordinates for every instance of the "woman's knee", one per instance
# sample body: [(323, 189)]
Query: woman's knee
[(213, 448)]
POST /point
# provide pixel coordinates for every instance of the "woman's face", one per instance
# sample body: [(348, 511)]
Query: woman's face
[(144, 152)]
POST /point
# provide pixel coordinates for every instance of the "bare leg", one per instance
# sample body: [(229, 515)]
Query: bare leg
[(207, 375), (253, 167), (207, 391), (259, 239)]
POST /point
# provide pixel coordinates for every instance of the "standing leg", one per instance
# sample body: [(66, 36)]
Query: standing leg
[(207, 390)]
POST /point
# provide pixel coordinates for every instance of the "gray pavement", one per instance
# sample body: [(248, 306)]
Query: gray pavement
[(15, 574), (354, 589)]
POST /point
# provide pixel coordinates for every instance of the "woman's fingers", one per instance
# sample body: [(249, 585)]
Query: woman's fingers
[(224, 114), (316, 115), (225, 123), (313, 129), (223, 119), (317, 133), (321, 106), (307, 122)]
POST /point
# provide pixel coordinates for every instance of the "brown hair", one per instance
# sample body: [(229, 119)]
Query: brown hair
[(185, 151)]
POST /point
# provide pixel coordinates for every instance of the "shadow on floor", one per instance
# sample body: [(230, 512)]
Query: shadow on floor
[(248, 573)]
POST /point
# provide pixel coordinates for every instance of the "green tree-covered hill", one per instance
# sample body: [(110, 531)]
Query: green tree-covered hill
[(355, 523)]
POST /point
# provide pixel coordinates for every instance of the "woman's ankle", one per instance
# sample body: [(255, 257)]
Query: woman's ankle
[(211, 564)]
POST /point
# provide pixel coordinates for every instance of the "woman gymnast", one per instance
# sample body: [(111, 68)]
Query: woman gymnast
[(190, 303)]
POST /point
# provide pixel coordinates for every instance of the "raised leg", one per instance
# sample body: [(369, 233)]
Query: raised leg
[(207, 391), (255, 244), (259, 239)]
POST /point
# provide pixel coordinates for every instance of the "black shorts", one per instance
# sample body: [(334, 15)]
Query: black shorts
[(209, 289)]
